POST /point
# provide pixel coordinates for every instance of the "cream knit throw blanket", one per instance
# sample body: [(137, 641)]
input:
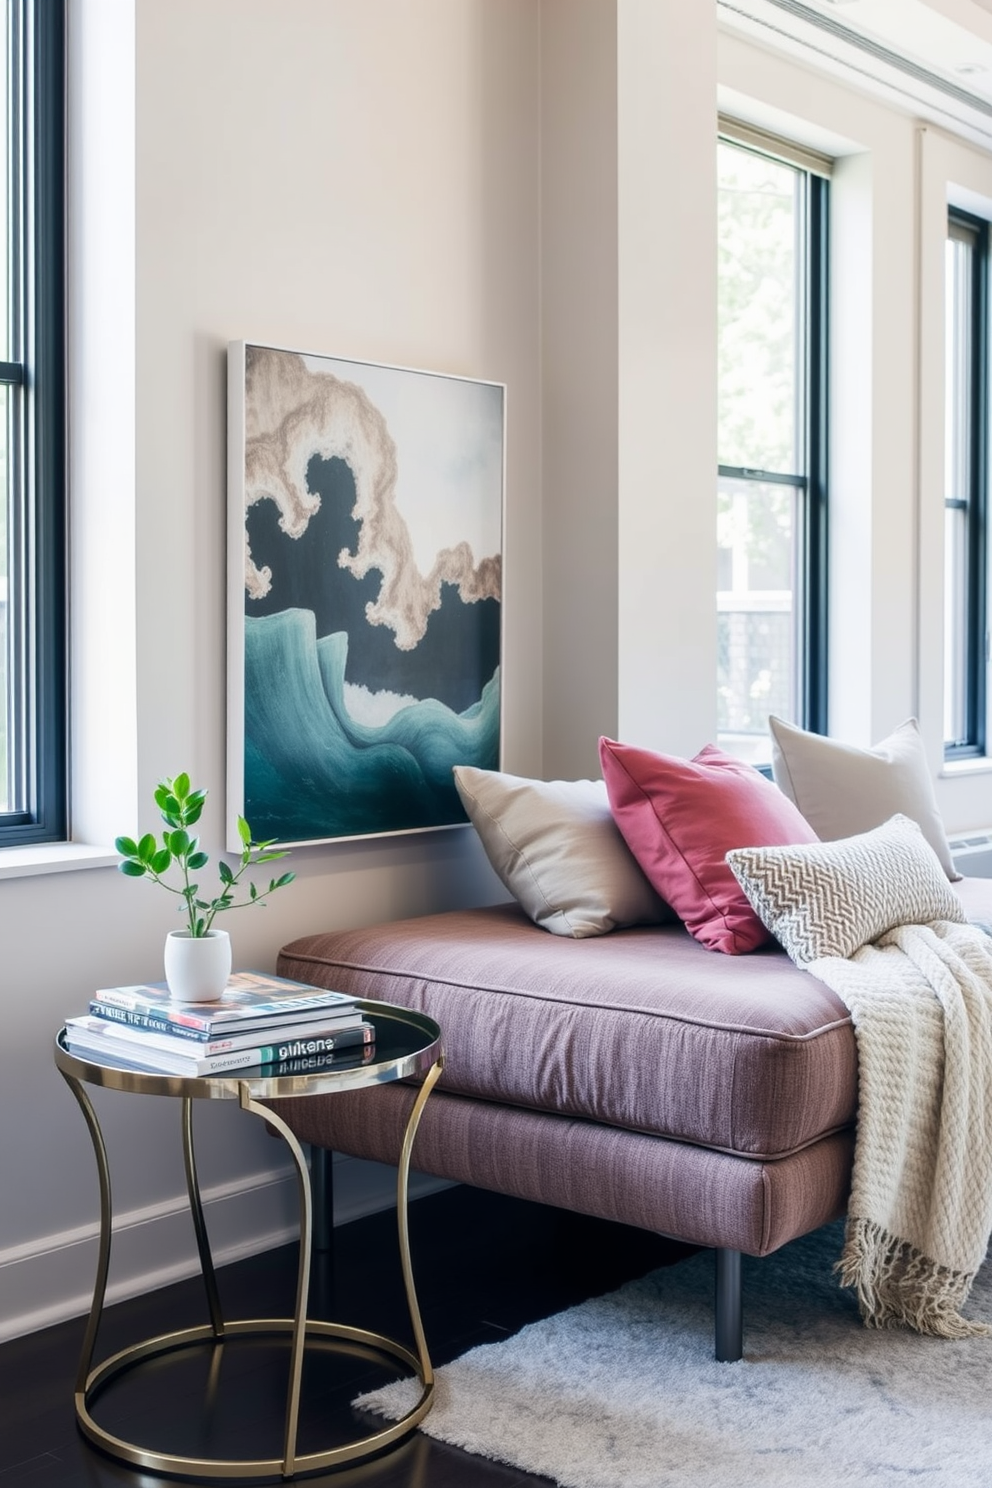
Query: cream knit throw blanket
[(920, 1213)]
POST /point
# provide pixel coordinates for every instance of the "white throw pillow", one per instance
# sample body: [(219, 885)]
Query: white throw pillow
[(831, 898), (557, 849), (842, 790)]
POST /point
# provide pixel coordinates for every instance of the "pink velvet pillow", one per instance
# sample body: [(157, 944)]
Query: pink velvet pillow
[(681, 817)]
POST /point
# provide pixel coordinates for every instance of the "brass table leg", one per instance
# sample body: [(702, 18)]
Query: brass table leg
[(103, 1258), (302, 1276), (90, 1381), (426, 1370), (199, 1224)]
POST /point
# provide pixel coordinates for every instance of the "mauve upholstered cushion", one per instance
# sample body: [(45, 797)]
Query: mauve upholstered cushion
[(681, 817), (642, 1029), (705, 1197)]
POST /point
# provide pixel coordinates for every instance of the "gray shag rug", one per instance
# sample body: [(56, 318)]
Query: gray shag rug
[(623, 1391)]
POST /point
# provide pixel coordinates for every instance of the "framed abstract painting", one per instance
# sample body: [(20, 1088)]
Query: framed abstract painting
[(365, 589)]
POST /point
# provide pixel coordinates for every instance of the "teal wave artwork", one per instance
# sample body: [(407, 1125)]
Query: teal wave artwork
[(312, 770), (372, 594)]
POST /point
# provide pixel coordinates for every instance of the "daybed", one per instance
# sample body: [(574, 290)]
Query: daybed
[(621, 1066), (636, 1076)]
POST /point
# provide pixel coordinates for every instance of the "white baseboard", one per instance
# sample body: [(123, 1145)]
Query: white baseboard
[(50, 1279)]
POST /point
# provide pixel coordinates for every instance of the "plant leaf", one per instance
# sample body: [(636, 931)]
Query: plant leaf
[(286, 878), (179, 842), (147, 848), (252, 891), (244, 831), (131, 868), (126, 847), (193, 813), (197, 861), (160, 862), (180, 787), (224, 872)]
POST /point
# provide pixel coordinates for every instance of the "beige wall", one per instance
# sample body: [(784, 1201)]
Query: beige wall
[(357, 178), (667, 385), (579, 307), (520, 191)]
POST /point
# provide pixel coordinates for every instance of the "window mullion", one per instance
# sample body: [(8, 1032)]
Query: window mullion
[(817, 453), (32, 393), (766, 477)]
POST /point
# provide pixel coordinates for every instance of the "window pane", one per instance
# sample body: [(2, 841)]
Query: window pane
[(760, 225), (958, 279), (960, 345), (756, 613), (4, 628), (765, 349), (955, 625), (6, 353), (32, 422)]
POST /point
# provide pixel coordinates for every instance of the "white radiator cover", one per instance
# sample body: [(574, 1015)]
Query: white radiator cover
[(972, 852)]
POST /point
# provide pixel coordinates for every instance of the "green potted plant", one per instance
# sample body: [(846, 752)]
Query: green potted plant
[(198, 957)]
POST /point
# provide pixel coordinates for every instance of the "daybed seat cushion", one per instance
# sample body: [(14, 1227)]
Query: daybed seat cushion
[(636, 1076), (643, 1029)]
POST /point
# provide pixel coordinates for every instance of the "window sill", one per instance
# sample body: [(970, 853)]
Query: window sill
[(976, 765), (53, 857)]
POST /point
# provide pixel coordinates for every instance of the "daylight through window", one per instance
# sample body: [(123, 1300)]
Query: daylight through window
[(772, 446), (965, 479), (32, 423)]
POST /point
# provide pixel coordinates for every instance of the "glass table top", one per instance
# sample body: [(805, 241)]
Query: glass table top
[(407, 1044)]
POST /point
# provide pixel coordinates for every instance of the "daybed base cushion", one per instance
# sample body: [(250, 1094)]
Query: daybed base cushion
[(643, 1029), (706, 1198)]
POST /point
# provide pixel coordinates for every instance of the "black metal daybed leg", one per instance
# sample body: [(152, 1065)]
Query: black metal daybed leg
[(322, 1190), (729, 1307)]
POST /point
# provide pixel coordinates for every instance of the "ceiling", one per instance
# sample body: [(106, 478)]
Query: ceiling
[(932, 58)]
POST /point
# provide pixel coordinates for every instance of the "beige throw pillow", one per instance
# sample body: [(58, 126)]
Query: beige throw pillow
[(831, 898), (557, 849), (842, 790)]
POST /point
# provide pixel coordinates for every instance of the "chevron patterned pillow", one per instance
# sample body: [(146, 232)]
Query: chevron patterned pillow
[(831, 898)]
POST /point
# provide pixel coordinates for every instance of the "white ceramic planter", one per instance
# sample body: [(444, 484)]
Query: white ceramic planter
[(197, 968)]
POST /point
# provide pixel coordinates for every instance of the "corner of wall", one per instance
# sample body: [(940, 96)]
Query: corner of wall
[(101, 338)]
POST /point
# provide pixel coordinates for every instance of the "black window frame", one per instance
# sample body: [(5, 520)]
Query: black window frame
[(813, 483), (36, 641), (973, 744)]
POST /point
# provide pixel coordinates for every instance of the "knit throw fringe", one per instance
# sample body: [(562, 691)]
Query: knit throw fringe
[(920, 1210), (898, 1284)]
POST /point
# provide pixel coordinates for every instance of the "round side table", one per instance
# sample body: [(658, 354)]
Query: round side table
[(407, 1045)]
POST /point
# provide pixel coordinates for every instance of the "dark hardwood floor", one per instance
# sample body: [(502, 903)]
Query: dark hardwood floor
[(485, 1266)]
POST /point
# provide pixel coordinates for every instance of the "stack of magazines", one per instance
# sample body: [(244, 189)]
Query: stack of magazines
[(287, 1027)]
